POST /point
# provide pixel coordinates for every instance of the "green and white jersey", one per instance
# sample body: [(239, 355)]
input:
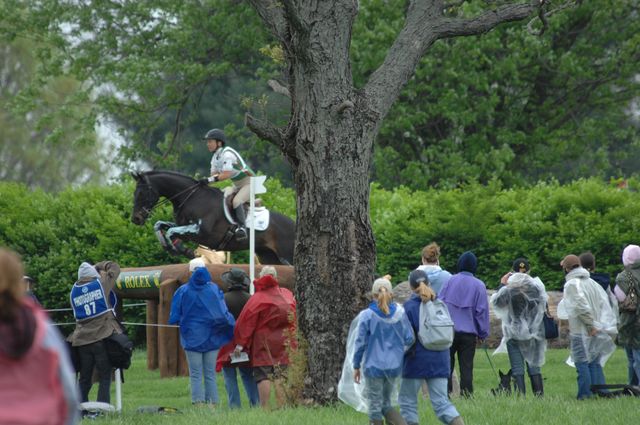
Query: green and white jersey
[(227, 159)]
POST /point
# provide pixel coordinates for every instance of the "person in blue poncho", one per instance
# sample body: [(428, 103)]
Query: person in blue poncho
[(205, 325), (383, 334)]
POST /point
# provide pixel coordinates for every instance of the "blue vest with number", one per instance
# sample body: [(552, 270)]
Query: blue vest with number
[(88, 300)]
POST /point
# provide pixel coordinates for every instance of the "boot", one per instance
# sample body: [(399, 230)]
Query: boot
[(519, 384), (457, 421), (241, 231), (393, 417), (536, 385), (376, 422)]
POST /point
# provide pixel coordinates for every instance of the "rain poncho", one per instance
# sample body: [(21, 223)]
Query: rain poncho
[(521, 305), (586, 305), (198, 307), (376, 343), (267, 324)]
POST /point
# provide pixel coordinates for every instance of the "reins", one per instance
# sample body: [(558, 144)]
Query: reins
[(166, 200)]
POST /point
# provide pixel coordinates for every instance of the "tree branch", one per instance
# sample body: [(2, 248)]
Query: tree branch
[(424, 24), (273, 15), (265, 130), (279, 88), (487, 21)]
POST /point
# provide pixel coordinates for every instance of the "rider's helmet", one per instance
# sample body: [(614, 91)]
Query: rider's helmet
[(215, 134)]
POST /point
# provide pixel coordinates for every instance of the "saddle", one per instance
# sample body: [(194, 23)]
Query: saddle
[(261, 213)]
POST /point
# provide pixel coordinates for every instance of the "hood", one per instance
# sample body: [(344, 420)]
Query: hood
[(468, 263), (392, 309), (265, 282), (199, 278), (87, 272), (16, 336), (578, 273)]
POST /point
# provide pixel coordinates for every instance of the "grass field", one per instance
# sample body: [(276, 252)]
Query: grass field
[(558, 407)]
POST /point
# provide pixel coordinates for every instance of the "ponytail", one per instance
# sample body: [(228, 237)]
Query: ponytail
[(425, 292), (384, 298)]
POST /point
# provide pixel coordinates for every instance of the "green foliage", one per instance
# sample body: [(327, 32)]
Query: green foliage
[(507, 104), (543, 223), (41, 143)]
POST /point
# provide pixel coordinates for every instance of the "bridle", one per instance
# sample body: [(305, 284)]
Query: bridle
[(166, 200)]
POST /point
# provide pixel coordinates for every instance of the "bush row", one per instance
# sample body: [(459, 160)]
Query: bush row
[(55, 232)]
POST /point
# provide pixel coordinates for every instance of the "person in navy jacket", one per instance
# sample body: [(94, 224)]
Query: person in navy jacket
[(421, 364)]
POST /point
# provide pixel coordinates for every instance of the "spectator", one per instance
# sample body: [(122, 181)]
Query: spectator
[(236, 298), (205, 326), (266, 328), (521, 305), (431, 266), (588, 262), (29, 285), (629, 327), (383, 334), (591, 324), (92, 302), (466, 298), (37, 385), (423, 365)]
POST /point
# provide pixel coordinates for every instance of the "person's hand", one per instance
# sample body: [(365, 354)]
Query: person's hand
[(593, 332), (204, 181), (505, 278), (237, 350), (356, 376)]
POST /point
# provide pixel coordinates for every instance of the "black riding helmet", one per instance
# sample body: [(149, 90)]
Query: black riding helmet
[(215, 134)]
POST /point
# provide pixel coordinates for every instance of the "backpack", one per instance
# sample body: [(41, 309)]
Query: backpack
[(435, 328), (119, 350)]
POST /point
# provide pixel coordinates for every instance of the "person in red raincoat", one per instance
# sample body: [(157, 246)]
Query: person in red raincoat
[(266, 330)]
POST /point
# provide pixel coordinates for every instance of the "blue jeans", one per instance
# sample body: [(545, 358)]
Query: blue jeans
[(231, 384), (438, 394), (203, 365), (517, 360), (633, 362), (589, 374), (378, 394)]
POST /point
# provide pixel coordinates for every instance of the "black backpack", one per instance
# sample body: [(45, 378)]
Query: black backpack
[(119, 350)]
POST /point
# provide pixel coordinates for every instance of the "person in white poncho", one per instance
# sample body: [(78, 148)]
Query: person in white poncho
[(592, 325), (520, 304)]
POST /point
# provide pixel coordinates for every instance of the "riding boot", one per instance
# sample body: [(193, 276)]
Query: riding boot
[(519, 384), (241, 231), (536, 385), (393, 417)]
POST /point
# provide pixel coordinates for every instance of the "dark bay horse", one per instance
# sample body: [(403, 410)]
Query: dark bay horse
[(199, 216)]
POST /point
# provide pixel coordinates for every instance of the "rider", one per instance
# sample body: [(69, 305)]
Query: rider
[(226, 163)]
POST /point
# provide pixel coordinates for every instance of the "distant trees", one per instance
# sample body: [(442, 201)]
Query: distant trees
[(37, 145)]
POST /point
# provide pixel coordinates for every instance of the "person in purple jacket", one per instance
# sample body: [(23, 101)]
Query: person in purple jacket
[(466, 298)]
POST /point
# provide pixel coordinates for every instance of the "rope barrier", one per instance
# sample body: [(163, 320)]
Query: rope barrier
[(126, 323), (53, 310)]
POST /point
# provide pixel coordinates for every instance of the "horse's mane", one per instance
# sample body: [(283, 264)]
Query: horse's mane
[(173, 173), (179, 175)]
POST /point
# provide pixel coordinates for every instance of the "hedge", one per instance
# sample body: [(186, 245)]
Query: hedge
[(55, 232)]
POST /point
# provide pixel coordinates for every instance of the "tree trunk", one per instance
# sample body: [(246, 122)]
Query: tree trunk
[(330, 152)]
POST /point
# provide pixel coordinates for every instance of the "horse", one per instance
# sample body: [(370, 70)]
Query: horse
[(199, 213)]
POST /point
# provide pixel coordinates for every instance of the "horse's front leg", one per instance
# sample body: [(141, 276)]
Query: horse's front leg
[(168, 234), (176, 233)]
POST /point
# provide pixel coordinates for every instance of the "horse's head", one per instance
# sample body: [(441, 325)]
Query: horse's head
[(145, 198)]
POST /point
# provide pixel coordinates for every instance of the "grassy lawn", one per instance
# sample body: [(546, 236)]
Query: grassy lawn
[(559, 406)]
